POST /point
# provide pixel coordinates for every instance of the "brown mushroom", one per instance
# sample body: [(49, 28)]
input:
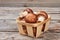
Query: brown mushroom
[(25, 12), (42, 15), (29, 10), (31, 18)]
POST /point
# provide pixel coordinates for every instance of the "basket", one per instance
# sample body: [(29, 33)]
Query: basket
[(33, 29)]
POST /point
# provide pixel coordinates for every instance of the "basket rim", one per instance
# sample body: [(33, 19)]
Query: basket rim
[(33, 24)]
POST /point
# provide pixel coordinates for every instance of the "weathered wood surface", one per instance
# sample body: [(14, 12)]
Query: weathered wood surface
[(8, 25), (47, 9), (17, 36), (30, 3), (13, 12)]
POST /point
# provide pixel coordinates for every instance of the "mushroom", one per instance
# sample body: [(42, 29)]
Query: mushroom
[(42, 15), (29, 10), (31, 18), (25, 12)]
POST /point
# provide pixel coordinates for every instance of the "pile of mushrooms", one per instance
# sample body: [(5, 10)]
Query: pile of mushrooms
[(30, 17)]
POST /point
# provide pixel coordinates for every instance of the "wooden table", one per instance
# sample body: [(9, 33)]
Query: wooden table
[(29, 3), (8, 25)]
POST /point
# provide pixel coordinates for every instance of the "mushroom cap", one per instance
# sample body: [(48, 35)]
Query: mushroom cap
[(25, 12), (42, 15), (31, 18), (29, 10)]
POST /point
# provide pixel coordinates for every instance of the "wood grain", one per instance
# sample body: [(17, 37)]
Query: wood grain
[(17, 36), (19, 9), (12, 13), (29, 3)]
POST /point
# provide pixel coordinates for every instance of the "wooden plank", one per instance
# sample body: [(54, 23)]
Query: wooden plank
[(11, 25), (30, 31), (57, 1), (19, 9), (29, 0), (51, 36), (39, 32), (29, 4), (21, 30), (14, 15), (17, 36), (8, 25)]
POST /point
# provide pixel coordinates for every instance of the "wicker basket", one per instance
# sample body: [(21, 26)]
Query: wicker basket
[(32, 29)]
